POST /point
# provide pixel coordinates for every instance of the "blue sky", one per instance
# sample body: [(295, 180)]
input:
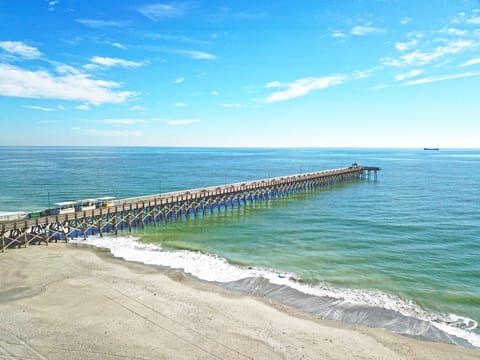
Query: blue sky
[(240, 73)]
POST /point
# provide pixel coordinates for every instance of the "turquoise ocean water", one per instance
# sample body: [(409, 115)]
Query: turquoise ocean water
[(407, 243)]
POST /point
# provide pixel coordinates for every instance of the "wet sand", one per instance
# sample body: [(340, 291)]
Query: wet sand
[(65, 302)]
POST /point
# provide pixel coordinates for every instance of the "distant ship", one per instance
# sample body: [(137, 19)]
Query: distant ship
[(430, 149)]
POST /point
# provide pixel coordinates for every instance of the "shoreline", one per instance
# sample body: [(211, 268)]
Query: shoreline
[(68, 301), (351, 306)]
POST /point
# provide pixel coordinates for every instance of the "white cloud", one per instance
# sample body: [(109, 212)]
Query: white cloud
[(137, 108), (439, 78), (234, 105), (363, 74), (408, 75), (474, 20), (167, 37), (82, 107), (41, 108), (122, 121), (180, 104), (338, 34), (419, 57), (98, 24), (404, 46), (51, 4), (454, 31), (471, 62), (405, 21), (214, 93), (159, 11), (17, 82), (20, 48), (197, 55), (110, 62), (391, 62), (118, 45), (67, 69), (365, 30), (113, 133), (181, 121), (304, 86), (273, 84), (179, 80)]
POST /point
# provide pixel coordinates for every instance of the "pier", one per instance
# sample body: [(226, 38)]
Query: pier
[(123, 214)]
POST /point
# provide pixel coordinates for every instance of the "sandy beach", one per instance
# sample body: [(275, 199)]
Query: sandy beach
[(66, 302)]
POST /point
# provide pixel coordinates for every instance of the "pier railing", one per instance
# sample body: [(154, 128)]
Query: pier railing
[(126, 213)]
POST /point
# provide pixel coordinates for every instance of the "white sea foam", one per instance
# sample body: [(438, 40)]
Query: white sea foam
[(213, 268)]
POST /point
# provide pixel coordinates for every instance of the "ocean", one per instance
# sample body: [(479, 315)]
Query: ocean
[(399, 252)]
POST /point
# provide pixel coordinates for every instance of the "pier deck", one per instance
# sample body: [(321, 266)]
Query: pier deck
[(123, 214)]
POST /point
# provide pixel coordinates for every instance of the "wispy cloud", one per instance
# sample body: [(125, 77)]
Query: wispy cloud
[(118, 45), (180, 104), (439, 78), (178, 122), (161, 11), (409, 75), (471, 62), (214, 93), (474, 20), (169, 37), (97, 61), (179, 80), (137, 108), (113, 133), (20, 49), (197, 55), (52, 4), (177, 38), (83, 107), (453, 31), (122, 121), (193, 54), (419, 57), (405, 21), (234, 105), (304, 86), (464, 18), (17, 82), (363, 74), (404, 46), (98, 24), (273, 84), (41, 108), (365, 30), (339, 34)]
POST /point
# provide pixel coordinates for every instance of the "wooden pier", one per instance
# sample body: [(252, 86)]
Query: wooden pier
[(160, 208)]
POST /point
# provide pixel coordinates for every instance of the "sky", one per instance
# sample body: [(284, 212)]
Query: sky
[(316, 73)]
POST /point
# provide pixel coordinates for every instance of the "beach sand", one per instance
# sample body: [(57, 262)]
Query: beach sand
[(66, 302)]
